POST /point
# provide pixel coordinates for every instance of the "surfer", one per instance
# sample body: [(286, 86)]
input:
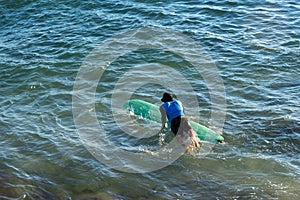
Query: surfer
[(174, 111)]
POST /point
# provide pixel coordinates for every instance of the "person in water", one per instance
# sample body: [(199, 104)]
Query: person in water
[(174, 111)]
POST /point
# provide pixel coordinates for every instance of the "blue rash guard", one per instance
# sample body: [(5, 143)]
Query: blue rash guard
[(173, 109)]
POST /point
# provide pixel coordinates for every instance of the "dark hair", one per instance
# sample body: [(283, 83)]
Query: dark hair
[(167, 97)]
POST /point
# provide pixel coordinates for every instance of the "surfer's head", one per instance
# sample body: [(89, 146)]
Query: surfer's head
[(167, 97)]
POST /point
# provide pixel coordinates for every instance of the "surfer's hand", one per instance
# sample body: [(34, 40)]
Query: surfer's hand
[(163, 126)]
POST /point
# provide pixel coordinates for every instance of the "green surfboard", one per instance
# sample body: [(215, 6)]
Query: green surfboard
[(151, 112)]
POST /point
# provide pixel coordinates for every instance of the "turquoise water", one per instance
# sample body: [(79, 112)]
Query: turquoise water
[(255, 46)]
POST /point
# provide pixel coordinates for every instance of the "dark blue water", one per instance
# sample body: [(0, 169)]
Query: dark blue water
[(253, 44)]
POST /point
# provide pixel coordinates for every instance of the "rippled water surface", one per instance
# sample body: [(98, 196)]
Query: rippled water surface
[(255, 47)]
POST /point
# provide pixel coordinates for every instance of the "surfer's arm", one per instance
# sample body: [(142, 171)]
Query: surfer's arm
[(163, 117), (183, 110)]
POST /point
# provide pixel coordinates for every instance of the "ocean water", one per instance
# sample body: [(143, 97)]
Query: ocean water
[(254, 45)]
